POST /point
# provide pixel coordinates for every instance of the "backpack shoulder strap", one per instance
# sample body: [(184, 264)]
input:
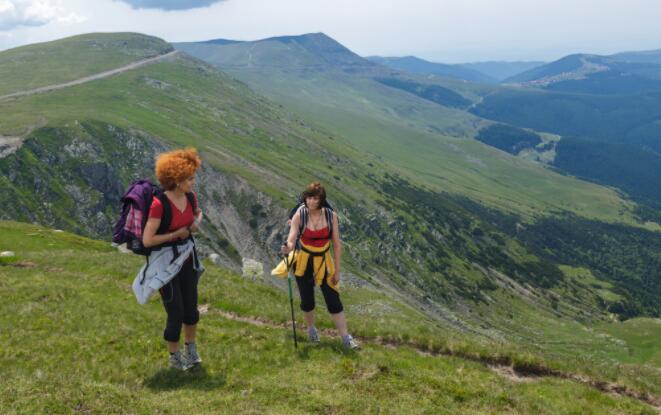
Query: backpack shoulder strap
[(191, 200), (329, 220), (295, 209), (167, 213), (304, 220)]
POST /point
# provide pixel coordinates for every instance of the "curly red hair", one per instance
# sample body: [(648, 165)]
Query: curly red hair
[(176, 166)]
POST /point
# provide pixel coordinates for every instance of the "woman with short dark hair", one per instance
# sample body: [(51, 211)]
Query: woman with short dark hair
[(315, 227)]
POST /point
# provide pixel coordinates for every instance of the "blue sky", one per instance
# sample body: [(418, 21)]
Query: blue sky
[(438, 30)]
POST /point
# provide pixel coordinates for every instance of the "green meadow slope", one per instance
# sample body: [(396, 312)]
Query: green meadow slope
[(43, 64), (77, 341)]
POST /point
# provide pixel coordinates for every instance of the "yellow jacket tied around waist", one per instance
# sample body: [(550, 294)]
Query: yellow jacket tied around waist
[(322, 263)]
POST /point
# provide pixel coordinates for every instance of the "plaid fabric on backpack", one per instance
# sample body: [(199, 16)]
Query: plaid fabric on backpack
[(133, 222), (133, 217)]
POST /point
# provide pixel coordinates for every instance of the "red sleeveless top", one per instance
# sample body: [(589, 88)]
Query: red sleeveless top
[(315, 238)]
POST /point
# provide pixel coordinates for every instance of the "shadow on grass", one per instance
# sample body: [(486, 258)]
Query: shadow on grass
[(195, 378), (304, 348)]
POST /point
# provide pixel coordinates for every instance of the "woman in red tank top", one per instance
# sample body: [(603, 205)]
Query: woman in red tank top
[(175, 171), (316, 239)]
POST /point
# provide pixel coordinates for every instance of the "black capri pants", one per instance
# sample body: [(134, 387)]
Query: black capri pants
[(180, 301), (306, 290)]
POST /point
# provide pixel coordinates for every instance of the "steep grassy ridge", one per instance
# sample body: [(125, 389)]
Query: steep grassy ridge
[(42, 64)]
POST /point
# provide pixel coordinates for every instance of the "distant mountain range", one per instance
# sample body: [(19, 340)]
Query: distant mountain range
[(314, 51), (501, 70), (649, 56), (422, 67), (485, 72), (606, 108), (621, 73)]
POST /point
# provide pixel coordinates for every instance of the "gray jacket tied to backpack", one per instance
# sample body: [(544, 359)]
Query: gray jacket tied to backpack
[(161, 267)]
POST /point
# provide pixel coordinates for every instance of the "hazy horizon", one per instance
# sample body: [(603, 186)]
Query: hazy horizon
[(437, 31)]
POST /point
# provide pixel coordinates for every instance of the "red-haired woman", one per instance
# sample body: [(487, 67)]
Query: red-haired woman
[(175, 171), (317, 227)]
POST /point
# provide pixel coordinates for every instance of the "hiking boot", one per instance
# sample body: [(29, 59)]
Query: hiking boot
[(190, 352), (350, 343), (179, 361), (313, 336)]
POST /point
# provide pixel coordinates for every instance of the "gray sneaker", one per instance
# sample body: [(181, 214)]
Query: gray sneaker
[(179, 361), (313, 336), (190, 352), (350, 343)]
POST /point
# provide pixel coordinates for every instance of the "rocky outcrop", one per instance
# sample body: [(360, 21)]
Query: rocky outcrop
[(9, 145), (74, 177)]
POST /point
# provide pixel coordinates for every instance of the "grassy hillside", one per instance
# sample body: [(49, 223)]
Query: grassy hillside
[(315, 51), (425, 141), (78, 342), (427, 145), (606, 108), (40, 64), (567, 64), (375, 166), (611, 139)]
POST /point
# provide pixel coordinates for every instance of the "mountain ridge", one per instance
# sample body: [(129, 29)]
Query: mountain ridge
[(420, 66), (309, 50)]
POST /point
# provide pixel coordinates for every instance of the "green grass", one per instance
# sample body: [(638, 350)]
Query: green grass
[(627, 353), (78, 342), (68, 59), (641, 338)]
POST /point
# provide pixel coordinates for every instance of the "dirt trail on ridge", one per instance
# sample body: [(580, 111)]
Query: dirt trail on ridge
[(89, 78)]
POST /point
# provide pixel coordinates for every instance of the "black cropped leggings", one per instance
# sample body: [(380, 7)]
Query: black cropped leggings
[(306, 290), (180, 301)]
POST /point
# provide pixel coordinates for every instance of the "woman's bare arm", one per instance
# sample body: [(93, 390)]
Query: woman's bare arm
[(149, 237), (293, 233)]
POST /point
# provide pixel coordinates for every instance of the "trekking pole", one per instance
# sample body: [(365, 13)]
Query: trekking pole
[(291, 296)]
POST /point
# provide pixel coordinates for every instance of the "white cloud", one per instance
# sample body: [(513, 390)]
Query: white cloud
[(17, 13), (71, 18)]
